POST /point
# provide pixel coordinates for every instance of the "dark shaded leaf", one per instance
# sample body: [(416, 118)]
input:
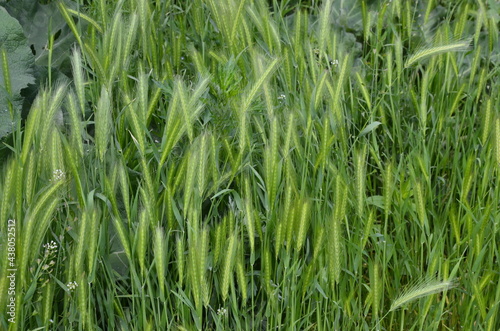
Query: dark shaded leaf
[(20, 63)]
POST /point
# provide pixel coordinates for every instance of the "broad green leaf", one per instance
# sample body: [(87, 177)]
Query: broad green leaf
[(16, 52), (39, 21), (370, 127), (376, 200)]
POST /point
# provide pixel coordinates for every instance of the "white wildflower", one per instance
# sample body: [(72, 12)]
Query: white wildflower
[(221, 311), (72, 286), (50, 246), (58, 175)]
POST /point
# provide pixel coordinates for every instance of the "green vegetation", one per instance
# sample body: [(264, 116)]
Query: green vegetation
[(252, 165)]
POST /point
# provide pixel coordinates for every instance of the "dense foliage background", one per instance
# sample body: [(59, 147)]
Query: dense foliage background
[(250, 165)]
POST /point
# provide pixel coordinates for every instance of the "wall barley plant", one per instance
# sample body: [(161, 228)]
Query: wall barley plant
[(129, 40), (185, 108), (220, 235), (249, 215), (138, 120), (194, 269), (220, 165), (324, 21), (148, 194), (124, 186), (267, 267), (426, 51), (160, 250), (326, 140), (242, 281), (303, 223), (481, 84), (272, 163), (496, 141), (360, 179), (8, 190), (81, 245), (422, 114), (76, 127), (388, 178), (141, 242), (486, 121), (48, 297), (30, 127), (43, 223), (55, 155), (78, 79), (376, 290), (202, 166), (202, 265), (227, 269), (290, 221), (179, 248), (153, 103), (279, 235), (214, 160), (113, 39), (49, 110), (420, 289), (30, 171), (318, 243), (173, 129), (335, 232), (419, 195), (82, 290), (94, 226), (30, 232), (190, 179), (123, 237), (18, 192), (103, 123)]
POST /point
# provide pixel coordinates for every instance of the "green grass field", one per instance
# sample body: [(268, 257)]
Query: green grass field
[(257, 165)]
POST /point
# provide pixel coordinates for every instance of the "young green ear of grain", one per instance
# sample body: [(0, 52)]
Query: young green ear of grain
[(496, 142), (190, 179), (78, 79), (141, 240), (123, 236), (103, 123), (324, 20), (303, 223), (193, 269), (203, 155), (376, 289), (421, 289), (267, 266), (271, 162), (240, 273), (425, 52), (227, 269), (93, 233), (179, 249), (249, 215), (334, 248), (360, 178), (11, 173)]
